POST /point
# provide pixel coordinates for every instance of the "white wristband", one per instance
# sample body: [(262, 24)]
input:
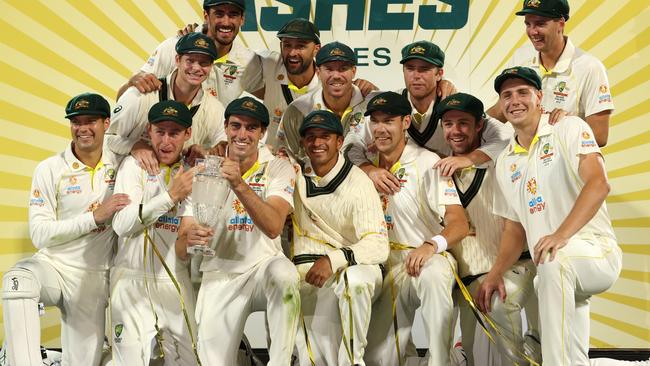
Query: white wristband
[(441, 243)]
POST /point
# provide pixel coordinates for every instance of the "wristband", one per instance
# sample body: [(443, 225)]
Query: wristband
[(441, 243)]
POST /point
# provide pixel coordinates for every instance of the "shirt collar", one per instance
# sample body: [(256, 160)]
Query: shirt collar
[(543, 129), (76, 164), (323, 181), (562, 63)]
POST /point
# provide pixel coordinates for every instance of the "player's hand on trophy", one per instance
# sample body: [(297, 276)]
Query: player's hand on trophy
[(556, 116), (384, 181), (320, 272), (189, 28), (219, 149), (418, 257), (449, 165), (365, 86), (145, 82), (445, 88), (483, 298), (194, 152), (110, 206), (230, 171), (146, 157), (199, 235), (181, 186)]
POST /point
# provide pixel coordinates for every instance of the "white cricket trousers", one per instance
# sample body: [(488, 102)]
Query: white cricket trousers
[(336, 316), (518, 281), (226, 300), (133, 318), (432, 293), (584, 267), (81, 296)]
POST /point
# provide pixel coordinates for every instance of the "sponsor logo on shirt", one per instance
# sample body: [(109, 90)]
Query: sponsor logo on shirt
[(587, 141), (390, 225), (169, 223), (516, 174), (605, 96), (36, 199), (241, 221), (76, 189), (451, 189), (537, 203), (230, 73)]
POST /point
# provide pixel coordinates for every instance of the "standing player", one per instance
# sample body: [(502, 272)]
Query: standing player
[(145, 304), (573, 81), (70, 208), (195, 53), (462, 120), (424, 219), (339, 242), (336, 64), (249, 271), (423, 71), (555, 182), (290, 73), (229, 79)]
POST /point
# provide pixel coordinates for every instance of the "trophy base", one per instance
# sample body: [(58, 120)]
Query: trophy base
[(202, 250)]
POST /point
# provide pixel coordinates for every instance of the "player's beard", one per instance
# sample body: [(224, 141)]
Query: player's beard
[(304, 65)]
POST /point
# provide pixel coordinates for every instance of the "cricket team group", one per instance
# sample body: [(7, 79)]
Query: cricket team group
[(347, 209)]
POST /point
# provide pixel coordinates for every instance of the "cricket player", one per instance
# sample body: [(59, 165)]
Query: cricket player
[(145, 303), (249, 271), (462, 120), (70, 208), (339, 241), (553, 184), (229, 79), (573, 81), (128, 133), (424, 219), (336, 63), (290, 73), (423, 71)]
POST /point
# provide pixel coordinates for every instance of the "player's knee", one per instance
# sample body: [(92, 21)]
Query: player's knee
[(436, 272), (20, 283), (283, 274), (360, 277)]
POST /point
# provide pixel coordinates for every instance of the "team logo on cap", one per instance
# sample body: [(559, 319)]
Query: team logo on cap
[(417, 50), (249, 105), (202, 43), (534, 3), (81, 104), (453, 102), (170, 111), (318, 119), (511, 71), (337, 52), (379, 101)]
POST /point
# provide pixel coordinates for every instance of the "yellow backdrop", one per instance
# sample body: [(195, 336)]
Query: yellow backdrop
[(52, 50)]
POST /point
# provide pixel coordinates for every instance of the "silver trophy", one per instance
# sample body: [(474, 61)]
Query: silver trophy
[(209, 194)]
